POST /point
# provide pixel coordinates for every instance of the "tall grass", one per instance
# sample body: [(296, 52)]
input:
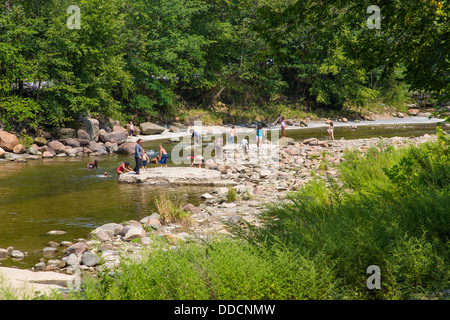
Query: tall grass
[(170, 209)]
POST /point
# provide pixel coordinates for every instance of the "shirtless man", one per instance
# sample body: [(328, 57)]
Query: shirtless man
[(164, 156)]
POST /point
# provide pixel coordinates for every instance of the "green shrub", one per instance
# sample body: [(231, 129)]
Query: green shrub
[(232, 195), (219, 269)]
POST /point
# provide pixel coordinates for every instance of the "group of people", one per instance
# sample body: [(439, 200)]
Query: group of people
[(142, 158)]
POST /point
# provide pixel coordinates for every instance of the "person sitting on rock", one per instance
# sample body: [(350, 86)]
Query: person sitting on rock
[(92, 164), (123, 167)]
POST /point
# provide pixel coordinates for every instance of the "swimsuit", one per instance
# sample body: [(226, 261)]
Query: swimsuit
[(164, 159), (120, 169)]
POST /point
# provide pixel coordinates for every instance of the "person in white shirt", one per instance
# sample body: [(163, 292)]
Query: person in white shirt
[(244, 145), (283, 127), (131, 128)]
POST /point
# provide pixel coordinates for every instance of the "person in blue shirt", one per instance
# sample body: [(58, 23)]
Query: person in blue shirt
[(259, 135), (196, 136)]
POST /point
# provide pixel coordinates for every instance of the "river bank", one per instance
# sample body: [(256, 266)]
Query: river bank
[(255, 186)]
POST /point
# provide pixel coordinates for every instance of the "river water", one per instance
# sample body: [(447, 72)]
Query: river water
[(62, 194)]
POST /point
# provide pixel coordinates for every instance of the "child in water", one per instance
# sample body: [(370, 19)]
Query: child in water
[(93, 164)]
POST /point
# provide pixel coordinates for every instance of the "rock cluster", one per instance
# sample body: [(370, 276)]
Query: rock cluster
[(255, 184)]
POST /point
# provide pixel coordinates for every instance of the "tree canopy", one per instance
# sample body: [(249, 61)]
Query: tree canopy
[(150, 58)]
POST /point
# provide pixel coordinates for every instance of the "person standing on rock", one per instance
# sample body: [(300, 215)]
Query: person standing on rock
[(218, 146), (259, 135), (283, 127), (138, 154), (331, 131), (164, 156), (231, 135), (145, 160), (131, 128)]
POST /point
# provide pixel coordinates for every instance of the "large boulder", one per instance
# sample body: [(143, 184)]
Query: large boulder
[(63, 133), (71, 142), (83, 135), (19, 149), (57, 146), (148, 128), (40, 141), (120, 129), (126, 148), (117, 137), (2, 152), (8, 140), (91, 126)]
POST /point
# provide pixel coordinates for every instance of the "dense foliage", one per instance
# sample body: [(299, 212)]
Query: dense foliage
[(150, 59)]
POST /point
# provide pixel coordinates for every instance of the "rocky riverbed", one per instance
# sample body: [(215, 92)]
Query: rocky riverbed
[(257, 183), (258, 178)]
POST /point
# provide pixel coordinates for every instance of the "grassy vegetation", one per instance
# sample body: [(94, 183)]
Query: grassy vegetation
[(390, 209), (170, 209)]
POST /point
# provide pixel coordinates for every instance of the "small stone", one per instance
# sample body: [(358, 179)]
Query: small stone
[(56, 232), (16, 254)]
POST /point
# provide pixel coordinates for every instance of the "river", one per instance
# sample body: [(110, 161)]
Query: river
[(62, 194)]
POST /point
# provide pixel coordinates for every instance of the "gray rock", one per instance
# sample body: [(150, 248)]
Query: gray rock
[(89, 259), (83, 135), (90, 126), (63, 133), (16, 254), (148, 128), (113, 229), (56, 232), (49, 250), (133, 232), (126, 148)]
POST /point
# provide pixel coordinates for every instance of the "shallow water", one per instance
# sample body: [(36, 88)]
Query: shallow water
[(62, 194)]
